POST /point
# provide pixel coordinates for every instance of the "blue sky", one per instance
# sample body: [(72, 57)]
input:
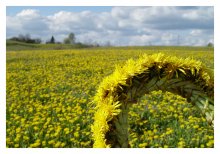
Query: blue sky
[(121, 26), (45, 10)]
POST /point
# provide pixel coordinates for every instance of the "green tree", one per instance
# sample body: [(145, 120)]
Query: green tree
[(70, 39), (52, 40), (210, 44), (66, 41)]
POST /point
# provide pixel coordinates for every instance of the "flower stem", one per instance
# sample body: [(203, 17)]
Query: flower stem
[(122, 126)]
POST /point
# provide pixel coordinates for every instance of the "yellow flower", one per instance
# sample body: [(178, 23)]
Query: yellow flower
[(185, 109), (181, 144), (35, 145), (57, 145), (26, 138), (210, 144), (44, 143), (63, 144), (142, 145), (18, 130), (196, 126), (36, 128), (156, 136), (51, 142), (76, 134), (66, 130)]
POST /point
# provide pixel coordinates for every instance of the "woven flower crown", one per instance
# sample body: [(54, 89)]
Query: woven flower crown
[(186, 77)]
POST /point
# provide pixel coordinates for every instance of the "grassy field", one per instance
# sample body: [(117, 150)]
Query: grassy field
[(49, 95), (18, 46)]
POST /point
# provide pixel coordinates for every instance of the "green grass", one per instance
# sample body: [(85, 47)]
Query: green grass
[(19, 46), (166, 120)]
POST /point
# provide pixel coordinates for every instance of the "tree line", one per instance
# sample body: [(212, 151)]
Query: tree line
[(26, 39), (70, 39)]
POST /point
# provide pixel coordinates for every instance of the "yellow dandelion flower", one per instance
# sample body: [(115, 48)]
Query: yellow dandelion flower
[(142, 145)]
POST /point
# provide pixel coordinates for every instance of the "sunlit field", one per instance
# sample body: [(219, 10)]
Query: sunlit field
[(50, 100)]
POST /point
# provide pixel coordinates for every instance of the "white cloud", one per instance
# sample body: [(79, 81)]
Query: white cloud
[(121, 25), (121, 12), (196, 32), (28, 13), (13, 23), (201, 13)]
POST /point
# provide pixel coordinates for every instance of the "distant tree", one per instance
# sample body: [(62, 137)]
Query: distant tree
[(38, 40), (52, 40), (66, 41), (21, 38), (70, 39), (14, 39), (95, 44), (210, 44), (26, 38)]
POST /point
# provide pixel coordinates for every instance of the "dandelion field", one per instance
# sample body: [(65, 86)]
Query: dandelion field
[(49, 97)]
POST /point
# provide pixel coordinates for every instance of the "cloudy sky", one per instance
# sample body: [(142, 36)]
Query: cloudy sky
[(118, 25)]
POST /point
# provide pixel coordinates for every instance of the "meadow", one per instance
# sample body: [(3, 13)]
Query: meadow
[(49, 100)]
